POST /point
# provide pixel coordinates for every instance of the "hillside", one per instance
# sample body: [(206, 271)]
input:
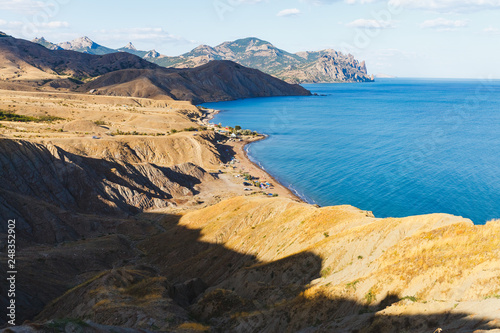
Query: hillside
[(124, 74), (215, 81), (26, 61), (303, 67), (130, 221)]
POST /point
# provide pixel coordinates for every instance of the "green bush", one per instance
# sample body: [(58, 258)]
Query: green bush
[(8, 116)]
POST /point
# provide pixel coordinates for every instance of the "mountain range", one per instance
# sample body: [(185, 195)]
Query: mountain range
[(124, 74), (324, 66)]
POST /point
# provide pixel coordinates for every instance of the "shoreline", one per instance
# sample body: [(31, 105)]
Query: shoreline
[(246, 164)]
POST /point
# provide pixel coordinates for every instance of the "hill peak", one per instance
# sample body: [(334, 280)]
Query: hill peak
[(78, 43), (250, 40), (152, 54), (38, 40), (130, 46), (42, 41)]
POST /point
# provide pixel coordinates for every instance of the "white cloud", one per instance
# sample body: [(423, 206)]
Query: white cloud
[(56, 24), (370, 24), (288, 12), (152, 34), (449, 5), (434, 5), (443, 24), (328, 2), (48, 25), (492, 31), (24, 6)]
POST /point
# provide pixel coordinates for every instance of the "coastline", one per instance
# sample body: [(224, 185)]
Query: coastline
[(246, 164)]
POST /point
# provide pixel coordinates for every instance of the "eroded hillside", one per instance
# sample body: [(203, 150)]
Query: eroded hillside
[(129, 219)]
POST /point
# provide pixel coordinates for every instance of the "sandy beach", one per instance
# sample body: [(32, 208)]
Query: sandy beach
[(245, 165)]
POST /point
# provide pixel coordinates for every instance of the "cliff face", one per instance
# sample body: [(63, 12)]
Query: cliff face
[(327, 66)]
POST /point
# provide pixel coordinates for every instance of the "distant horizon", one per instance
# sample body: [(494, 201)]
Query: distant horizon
[(404, 38)]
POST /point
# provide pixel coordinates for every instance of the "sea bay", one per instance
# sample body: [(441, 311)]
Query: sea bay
[(397, 147)]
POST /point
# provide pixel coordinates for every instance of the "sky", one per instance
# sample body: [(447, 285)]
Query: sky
[(404, 38)]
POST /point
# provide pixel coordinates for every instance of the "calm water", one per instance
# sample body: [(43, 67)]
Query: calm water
[(397, 147)]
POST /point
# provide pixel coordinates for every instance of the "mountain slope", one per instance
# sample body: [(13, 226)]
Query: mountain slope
[(302, 67), (22, 59), (123, 74), (130, 48), (215, 81), (42, 41)]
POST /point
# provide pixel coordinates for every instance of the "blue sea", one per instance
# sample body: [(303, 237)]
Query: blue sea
[(397, 147)]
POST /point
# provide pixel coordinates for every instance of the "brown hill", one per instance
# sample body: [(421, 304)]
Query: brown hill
[(24, 60), (124, 74), (215, 81)]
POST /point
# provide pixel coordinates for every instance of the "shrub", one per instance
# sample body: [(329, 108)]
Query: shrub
[(8, 116), (325, 272), (100, 122), (370, 296), (410, 298), (352, 285)]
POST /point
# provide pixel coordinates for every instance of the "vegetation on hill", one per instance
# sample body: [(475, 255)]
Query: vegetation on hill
[(9, 116)]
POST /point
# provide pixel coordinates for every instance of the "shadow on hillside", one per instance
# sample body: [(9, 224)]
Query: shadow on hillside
[(45, 193), (270, 293), (226, 152)]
